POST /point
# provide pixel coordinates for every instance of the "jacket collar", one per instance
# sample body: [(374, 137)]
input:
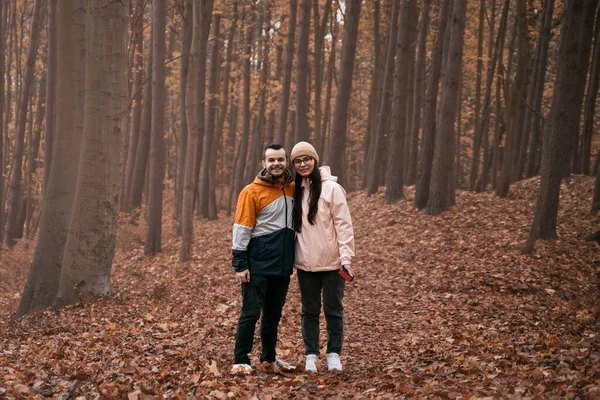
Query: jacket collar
[(265, 177)]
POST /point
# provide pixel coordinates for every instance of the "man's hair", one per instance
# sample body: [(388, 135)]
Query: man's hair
[(274, 146)]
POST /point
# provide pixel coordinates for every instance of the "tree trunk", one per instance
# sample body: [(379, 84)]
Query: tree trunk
[(14, 194), (243, 152), (89, 252), (337, 145), (50, 127), (419, 94), (429, 112), (395, 163), (516, 105), (375, 166), (477, 137), (287, 73), (441, 196), (375, 95), (3, 7), (534, 146), (596, 199), (183, 130), (209, 156), (590, 104), (157, 138), (489, 87), (141, 156), (566, 103), (302, 132), (318, 67)]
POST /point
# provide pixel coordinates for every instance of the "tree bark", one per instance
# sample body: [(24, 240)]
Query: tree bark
[(318, 67), (50, 127), (302, 132), (14, 194), (441, 193), (419, 94), (337, 145), (429, 112), (566, 103), (210, 154), (287, 74), (89, 252), (590, 104), (534, 145), (395, 163), (596, 199), (376, 152), (3, 7), (157, 138), (516, 106), (477, 138)]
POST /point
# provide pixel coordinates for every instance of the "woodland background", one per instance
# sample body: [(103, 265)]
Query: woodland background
[(463, 131)]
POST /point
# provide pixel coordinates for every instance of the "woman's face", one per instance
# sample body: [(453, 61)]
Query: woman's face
[(304, 165)]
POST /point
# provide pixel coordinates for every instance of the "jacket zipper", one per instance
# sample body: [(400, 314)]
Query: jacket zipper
[(284, 229)]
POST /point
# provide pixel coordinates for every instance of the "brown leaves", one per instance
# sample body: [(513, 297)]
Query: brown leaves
[(442, 306)]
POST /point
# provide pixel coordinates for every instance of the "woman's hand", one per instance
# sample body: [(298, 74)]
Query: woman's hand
[(349, 269)]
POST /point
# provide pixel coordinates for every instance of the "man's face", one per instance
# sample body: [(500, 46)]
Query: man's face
[(275, 162)]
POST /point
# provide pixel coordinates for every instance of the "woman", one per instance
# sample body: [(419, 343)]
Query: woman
[(324, 244)]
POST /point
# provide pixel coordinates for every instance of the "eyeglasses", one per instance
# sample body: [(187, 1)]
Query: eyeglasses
[(306, 161)]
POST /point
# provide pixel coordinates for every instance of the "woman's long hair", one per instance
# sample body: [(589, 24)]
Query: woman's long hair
[(313, 201)]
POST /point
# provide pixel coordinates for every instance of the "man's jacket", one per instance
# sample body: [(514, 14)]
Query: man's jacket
[(263, 235)]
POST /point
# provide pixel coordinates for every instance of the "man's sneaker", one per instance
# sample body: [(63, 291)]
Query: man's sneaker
[(241, 369), (333, 362), (311, 363)]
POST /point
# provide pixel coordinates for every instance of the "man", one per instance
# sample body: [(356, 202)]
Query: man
[(263, 258)]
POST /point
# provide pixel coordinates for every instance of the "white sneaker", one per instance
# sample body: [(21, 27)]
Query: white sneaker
[(241, 369), (333, 362), (311, 363)]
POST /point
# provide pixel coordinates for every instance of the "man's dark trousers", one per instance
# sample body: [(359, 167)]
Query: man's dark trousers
[(264, 293)]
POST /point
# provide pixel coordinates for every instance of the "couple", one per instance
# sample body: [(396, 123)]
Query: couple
[(272, 234)]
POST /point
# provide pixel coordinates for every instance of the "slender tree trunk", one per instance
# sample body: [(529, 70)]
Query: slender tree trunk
[(287, 73), (14, 194), (419, 92), (590, 104), (516, 104), (143, 147), (3, 16), (375, 95), (320, 29), (183, 131), (241, 162), (429, 112), (395, 163), (566, 103), (586, 34), (489, 87), (441, 196), (157, 139), (337, 145), (329, 78), (211, 115), (89, 252), (376, 154), (477, 138), (302, 69), (534, 146), (50, 127), (596, 199)]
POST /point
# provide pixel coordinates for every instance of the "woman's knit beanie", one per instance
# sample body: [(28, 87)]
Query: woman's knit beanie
[(304, 149)]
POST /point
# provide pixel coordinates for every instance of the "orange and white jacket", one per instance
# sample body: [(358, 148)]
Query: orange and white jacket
[(329, 243)]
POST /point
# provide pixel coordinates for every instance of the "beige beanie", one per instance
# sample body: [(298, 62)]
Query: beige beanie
[(304, 149)]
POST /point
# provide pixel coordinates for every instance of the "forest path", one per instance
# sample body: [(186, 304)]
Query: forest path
[(443, 306)]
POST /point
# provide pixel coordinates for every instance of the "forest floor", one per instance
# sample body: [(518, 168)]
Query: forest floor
[(442, 307)]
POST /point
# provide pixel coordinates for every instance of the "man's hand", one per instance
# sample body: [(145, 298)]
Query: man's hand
[(243, 276)]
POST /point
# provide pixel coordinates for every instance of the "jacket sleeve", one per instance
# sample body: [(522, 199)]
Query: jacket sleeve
[(245, 218), (343, 224)]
